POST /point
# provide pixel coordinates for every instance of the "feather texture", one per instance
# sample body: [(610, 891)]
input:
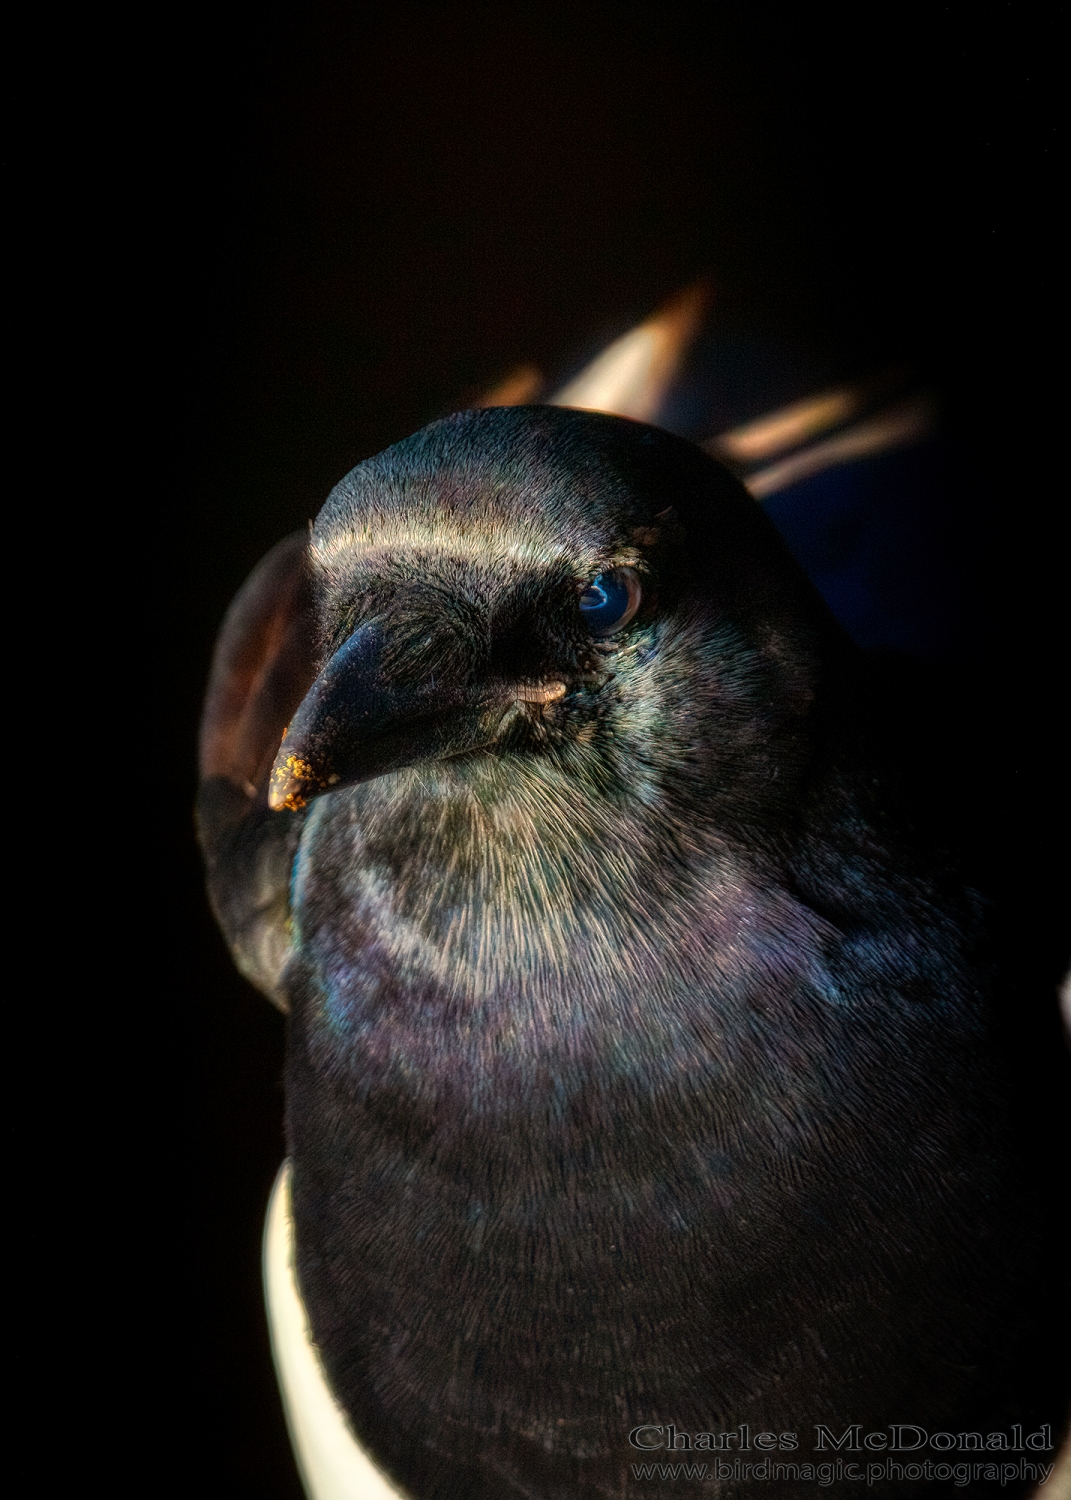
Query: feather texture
[(643, 1064)]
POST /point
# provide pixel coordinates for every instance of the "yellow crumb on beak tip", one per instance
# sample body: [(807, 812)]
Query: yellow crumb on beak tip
[(289, 781)]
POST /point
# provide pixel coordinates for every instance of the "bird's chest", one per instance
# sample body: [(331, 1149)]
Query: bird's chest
[(537, 1258), (556, 1142), (493, 1056), (480, 969)]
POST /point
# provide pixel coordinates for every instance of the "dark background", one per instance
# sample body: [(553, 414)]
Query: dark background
[(344, 222)]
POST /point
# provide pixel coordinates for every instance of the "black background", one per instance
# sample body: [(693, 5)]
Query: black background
[(341, 222)]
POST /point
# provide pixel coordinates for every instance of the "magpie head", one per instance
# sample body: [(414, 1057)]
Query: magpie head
[(520, 591)]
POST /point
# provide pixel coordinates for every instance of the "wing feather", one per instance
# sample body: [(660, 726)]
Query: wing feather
[(263, 665)]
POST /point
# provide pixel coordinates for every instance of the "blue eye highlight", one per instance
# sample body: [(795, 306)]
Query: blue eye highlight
[(610, 600)]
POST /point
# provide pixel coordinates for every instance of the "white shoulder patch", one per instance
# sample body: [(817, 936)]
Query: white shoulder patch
[(332, 1464)]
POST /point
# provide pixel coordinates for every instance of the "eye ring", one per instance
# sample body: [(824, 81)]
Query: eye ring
[(610, 600)]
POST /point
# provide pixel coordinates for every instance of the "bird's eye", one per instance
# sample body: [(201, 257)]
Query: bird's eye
[(610, 600)]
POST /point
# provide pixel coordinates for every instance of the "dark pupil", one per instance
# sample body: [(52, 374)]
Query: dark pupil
[(604, 600)]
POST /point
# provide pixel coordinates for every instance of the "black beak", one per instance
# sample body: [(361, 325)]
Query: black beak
[(354, 724)]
